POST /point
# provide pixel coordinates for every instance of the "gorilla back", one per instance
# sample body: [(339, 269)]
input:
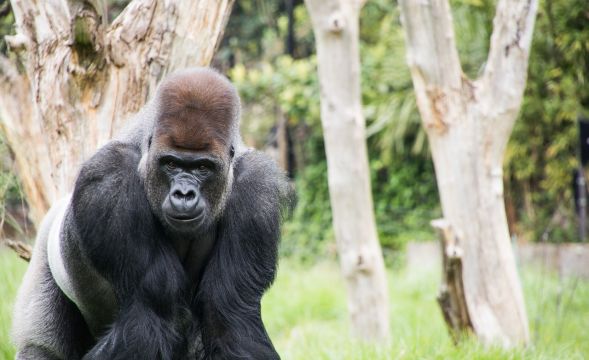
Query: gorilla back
[(166, 245)]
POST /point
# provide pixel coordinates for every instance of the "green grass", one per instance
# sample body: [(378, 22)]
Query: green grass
[(11, 271), (305, 313)]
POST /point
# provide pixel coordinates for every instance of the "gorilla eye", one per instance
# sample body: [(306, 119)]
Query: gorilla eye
[(203, 167), (170, 165)]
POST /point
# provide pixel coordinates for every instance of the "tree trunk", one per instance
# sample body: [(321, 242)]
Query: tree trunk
[(335, 23), (76, 78), (468, 123)]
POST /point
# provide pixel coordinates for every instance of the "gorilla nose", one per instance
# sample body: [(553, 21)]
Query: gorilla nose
[(184, 200)]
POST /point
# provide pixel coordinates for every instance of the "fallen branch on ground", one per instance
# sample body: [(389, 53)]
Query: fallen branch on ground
[(23, 250)]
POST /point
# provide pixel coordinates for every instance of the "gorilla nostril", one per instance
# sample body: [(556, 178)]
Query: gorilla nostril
[(181, 195), (178, 194)]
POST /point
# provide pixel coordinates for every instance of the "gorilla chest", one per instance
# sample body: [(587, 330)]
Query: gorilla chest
[(193, 252), (93, 294)]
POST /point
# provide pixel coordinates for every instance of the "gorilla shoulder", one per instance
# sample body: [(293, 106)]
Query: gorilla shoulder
[(109, 200)]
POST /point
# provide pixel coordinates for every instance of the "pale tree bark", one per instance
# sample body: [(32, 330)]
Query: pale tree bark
[(75, 78), (468, 123), (335, 24)]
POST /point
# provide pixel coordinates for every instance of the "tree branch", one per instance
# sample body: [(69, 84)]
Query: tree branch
[(507, 63), (433, 60), (431, 50), (24, 251), (156, 32), (17, 43), (192, 45), (131, 27), (43, 21), (504, 79)]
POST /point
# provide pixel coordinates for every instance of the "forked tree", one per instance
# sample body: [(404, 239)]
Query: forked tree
[(335, 24), (468, 123), (73, 77)]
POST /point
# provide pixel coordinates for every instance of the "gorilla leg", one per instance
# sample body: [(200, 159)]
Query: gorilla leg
[(47, 325), (50, 337)]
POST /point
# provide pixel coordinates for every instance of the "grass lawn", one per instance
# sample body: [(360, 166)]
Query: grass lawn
[(12, 269), (305, 313)]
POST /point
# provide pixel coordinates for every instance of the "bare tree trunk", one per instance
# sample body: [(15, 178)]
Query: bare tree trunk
[(468, 123), (335, 23), (77, 78)]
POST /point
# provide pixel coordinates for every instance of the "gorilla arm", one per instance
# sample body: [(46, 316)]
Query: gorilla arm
[(116, 231), (243, 264)]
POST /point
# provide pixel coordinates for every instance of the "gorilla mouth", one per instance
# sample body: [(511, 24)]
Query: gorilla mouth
[(184, 218), (187, 219)]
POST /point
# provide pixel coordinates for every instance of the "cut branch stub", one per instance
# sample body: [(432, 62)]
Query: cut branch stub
[(336, 22), (452, 298), (24, 251)]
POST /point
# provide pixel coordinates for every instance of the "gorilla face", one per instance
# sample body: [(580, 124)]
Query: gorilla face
[(190, 188), (185, 174)]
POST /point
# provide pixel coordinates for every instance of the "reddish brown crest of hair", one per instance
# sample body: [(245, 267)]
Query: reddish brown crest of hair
[(197, 111)]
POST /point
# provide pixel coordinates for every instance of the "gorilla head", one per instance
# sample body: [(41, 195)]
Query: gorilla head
[(188, 160)]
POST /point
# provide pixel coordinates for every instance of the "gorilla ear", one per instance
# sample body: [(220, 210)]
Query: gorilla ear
[(142, 167)]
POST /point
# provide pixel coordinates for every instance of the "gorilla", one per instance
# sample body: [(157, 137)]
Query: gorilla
[(167, 243)]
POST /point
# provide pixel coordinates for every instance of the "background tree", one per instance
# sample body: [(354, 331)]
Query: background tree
[(468, 123), (335, 24), (74, 77)]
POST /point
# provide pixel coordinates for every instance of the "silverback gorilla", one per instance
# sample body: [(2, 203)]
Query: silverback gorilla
[(167, 243)]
